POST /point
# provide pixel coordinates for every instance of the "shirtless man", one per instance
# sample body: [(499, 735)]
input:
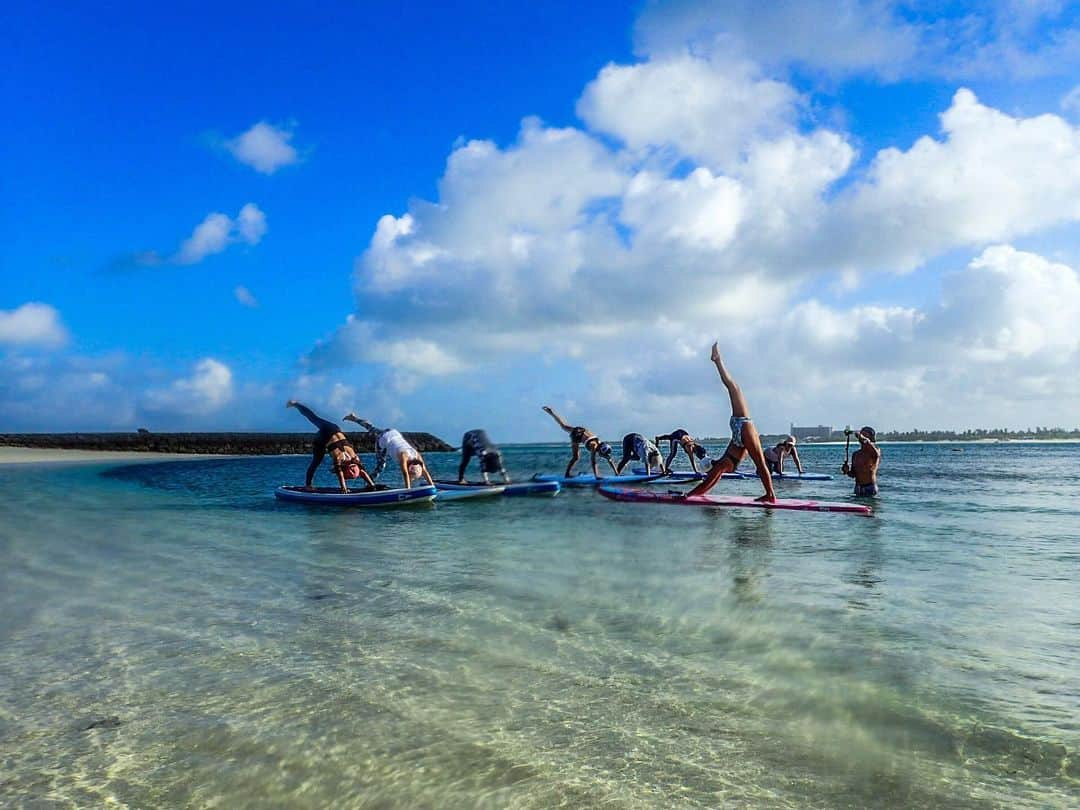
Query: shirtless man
[(583, 436), (331, 440), (744, 439), (391, 444), (864, 463), (775, 456), (681, 439)]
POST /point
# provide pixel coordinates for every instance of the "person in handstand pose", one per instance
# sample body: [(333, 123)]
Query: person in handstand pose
[(331, 440), (583, 436), (744, 439)]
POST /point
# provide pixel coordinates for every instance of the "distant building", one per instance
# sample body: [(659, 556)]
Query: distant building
[(821, 433)]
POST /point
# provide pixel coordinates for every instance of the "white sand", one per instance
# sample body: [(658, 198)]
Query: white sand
[(43, 455)]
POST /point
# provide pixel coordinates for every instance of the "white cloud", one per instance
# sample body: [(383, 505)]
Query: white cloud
[(993, 177), (250, 224), (1070, 102), (709, 215), (245, 297), (207, 390), (701, 109), (215, 233), (264, 147), (1006, 38), (32, 325)]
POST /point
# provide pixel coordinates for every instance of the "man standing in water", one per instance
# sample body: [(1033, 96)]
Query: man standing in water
[(331, 440), (864, 463), (744, 439)]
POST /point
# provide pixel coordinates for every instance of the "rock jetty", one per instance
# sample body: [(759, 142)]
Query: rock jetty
[(234, 444)]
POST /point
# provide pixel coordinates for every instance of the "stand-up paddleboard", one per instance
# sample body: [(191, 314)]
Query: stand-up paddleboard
[(509, 490), (458, 492), (333, 496), (723, 501), (594, 481)]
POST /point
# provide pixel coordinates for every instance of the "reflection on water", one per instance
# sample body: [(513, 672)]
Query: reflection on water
[(171, 636)]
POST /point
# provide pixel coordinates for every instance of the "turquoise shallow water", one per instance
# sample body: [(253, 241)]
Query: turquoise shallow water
[(231, 651)]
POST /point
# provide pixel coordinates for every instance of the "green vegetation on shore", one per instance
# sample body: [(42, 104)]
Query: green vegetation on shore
[(971, 435)]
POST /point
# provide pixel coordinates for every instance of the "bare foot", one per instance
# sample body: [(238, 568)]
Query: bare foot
[(351, 417), (715, 355), (292, 403), (546, 409), (766, 499)]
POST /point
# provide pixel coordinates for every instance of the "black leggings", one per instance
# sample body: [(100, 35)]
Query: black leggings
[(327, 429), (325, 426)]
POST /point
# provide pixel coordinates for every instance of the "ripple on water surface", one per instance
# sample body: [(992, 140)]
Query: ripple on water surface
[(173, 636)]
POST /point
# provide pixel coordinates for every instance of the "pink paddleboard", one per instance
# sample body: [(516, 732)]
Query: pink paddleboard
[(651, 496)]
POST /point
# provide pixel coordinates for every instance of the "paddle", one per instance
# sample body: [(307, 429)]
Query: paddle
[(847, 444)]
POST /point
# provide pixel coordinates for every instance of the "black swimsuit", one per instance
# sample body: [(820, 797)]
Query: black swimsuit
[(579, 435)]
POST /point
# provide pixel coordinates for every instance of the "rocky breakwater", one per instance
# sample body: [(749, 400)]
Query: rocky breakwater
[(234, 444)]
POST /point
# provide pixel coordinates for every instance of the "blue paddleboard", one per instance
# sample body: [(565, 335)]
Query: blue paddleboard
[(593, 481), (458, 492), (509, 490), (333, 496)]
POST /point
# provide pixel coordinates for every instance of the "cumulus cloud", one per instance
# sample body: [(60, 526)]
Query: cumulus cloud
[(992, 177), (1006, 38), (245, 297), (264, 147), (32, 325), (208, 389), (215, 233), (699, 201), (699, 108)]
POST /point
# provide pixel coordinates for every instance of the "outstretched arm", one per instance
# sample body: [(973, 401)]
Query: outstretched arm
[(795, 458), (561, 422), (868, 446)]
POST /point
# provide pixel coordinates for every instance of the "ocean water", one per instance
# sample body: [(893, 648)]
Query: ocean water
[(170, 635)]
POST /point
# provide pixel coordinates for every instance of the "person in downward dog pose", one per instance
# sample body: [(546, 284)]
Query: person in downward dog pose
[(744, 439), (478, 443), (391, 444), (583, 436), (775, 456), (864, 463), (636, 447), (330, 439), (681, 439)]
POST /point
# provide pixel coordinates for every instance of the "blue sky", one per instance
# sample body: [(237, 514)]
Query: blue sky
[(871, 205)]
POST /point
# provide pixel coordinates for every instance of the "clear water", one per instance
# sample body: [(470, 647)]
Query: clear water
[(170, 635)]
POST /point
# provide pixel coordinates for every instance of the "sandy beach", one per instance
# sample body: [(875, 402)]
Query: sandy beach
[(37, 455)]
